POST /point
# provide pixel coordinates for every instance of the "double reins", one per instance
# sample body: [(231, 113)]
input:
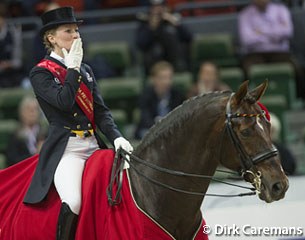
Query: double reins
[(122, 156), (181, 174)]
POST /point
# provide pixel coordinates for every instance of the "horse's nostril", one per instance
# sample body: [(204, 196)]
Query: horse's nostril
[(277, 188)]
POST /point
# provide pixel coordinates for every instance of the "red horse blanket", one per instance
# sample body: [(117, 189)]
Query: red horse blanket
[(97, 221)]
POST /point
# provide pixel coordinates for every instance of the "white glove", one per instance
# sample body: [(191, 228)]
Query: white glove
[(74, 58), (121, 142)]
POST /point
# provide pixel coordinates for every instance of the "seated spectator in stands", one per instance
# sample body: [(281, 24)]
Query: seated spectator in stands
[(208, 80), (161, 36), (287, 159), (17, 8), (10, 51), (159, 98), (265, 29), (28, 139)]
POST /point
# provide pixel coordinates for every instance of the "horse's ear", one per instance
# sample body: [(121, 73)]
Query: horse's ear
[(241, 92), (259, 91)]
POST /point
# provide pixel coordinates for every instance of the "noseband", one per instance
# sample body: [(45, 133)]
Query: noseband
[(247, 162)]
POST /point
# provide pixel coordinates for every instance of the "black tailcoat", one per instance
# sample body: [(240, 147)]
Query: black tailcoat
[(63, 114)]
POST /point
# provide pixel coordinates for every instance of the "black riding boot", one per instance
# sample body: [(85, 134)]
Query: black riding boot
[(67, 223)]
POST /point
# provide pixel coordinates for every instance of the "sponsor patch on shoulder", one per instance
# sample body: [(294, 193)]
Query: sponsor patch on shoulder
[(57, 80), (90, 79)]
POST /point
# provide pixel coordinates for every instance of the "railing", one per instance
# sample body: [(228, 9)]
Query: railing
[(89, 17), (27, 23), (111, 13), (188, 6), (130, 13)]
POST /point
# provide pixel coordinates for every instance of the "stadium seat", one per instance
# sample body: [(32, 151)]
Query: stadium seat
[(2, 161), (294, 126), (10, 99), (7, 128), (136, 115), (120, 119), (216, 47), (119, 88), (117, 54), (281, 90), (294, 121), (183, 81), (280, 95), (121, 93), (233, 77)]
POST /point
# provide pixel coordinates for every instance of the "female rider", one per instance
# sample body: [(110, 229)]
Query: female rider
[(69, 97)]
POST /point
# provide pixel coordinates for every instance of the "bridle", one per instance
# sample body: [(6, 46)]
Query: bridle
[(247, 162)]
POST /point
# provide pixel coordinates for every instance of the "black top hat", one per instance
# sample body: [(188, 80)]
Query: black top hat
[(56, 17)]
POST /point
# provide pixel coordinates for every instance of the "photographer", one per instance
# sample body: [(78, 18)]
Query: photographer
[(161, 36), (10, 51)]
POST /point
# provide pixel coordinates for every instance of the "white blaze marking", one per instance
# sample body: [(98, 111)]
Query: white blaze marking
[(259, 123)]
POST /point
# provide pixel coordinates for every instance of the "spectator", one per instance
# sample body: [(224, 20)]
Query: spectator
[(10, 51), (287, 159), (28, 138), (265, 29), (16, 8), (208, 80), (161, 36), (159, 98), (29, 6)]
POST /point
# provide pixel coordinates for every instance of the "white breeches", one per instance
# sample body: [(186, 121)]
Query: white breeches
[(68, 174)]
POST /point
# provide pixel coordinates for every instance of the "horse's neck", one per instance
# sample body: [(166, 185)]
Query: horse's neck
[(189, 150)]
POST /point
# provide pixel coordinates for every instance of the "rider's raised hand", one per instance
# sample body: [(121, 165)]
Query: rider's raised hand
[(74, 57)]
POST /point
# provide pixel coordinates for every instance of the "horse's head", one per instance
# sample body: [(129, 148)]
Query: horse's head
[(250, 150)]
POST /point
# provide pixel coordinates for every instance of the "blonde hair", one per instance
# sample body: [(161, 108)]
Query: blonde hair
[(208, 63), (47, 44), (160, 66), (26, 100)]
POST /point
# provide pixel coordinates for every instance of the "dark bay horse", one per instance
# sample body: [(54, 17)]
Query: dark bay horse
[(212, 129), (216, 128)]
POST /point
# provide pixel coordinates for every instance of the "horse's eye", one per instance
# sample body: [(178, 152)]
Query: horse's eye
[(246, 132)]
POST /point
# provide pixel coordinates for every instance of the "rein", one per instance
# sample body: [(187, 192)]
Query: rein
[(116, 180), (181, 174), (114, 196), (247, 163)]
